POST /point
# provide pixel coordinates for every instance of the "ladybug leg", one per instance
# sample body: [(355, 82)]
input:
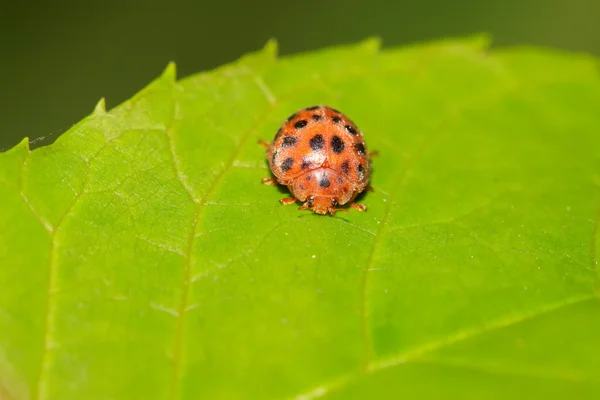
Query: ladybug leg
[(359, 207), (304, 206), (269, 181), (370, 188), (373, 153), (264, 143), (288, 200), (332, 210)]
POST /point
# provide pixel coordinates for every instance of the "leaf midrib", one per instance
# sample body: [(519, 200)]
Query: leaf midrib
[(198, 209)]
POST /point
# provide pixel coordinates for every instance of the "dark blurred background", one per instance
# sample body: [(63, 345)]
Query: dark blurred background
[(58, 58)]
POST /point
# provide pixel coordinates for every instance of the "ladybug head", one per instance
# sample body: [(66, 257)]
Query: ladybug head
[(322, 204)]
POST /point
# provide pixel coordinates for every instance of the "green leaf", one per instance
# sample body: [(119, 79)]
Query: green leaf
[(141, 257)]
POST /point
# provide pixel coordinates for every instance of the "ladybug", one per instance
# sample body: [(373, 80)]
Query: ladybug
[(320, 155)]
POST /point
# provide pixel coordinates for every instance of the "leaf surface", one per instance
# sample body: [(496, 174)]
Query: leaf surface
[(142, 258)]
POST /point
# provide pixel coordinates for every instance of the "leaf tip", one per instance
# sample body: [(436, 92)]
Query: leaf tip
[(100, 108), (271, 48), (258, 60), (170, 72), (480, 41), (23, 145), (372, 44)]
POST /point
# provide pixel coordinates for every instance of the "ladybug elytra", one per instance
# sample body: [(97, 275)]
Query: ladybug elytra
[(320, 155)]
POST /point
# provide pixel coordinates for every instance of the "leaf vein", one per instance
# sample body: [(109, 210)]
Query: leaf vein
[(417, 354), (466, 335), (199, 206), (39, 389), (366, 335), (498, 370)]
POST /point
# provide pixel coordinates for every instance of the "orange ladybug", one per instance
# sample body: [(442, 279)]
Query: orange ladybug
[(321, 156)]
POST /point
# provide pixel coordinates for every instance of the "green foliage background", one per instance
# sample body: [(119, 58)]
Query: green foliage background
[(142, 258)]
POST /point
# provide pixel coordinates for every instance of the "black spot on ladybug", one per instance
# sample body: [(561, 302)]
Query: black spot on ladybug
[(334, 202), (316, 117), (313, 108), (345, 166), (308, 177), (350, 129), (337, 144), (289, 141), (339, 180), (324, 182), (278, 133), (300, 124), (305, 163), (291, 117), (286, 165), (360, 148), (317, 142), (336, 119), (361, 171)]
